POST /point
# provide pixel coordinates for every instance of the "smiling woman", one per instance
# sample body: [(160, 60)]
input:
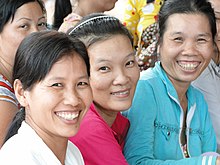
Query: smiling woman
[(17, 20), (54, 96), (114, 75), (170, 123)]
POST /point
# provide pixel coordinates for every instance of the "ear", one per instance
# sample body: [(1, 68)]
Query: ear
[(20, 93)]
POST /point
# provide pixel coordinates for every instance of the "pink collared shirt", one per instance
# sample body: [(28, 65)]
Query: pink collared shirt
[(99, 143)]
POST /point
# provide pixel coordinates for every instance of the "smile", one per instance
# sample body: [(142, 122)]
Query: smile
[(189, 66), (120, 93), (68, 115)]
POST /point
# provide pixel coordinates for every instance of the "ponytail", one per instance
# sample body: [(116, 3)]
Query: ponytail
[(16, 123)]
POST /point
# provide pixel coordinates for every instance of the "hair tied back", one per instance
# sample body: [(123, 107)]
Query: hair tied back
[(92, 20)]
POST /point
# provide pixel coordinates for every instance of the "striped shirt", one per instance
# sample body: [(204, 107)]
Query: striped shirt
[(6, 91)]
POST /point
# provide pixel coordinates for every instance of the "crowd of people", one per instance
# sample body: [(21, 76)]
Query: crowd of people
[(90, 88)]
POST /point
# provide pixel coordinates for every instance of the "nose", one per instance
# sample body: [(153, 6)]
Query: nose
[(121, 78), (71, 97), (190, 48), (34, 29)]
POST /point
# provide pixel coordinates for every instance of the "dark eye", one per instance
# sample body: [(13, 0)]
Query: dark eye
[(56, 85), (83, 84), (202, 40), (23, 26), (104, 69), (42, 24), (178, 39), (130, 63)]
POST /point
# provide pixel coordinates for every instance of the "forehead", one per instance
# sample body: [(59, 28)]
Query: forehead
[(69, 64), (188, 22), (116, 45)]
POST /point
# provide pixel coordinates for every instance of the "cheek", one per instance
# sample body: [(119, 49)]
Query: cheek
[(86, 97), (100, 82), (134, 75), (207, 52), (99, 85), (11, 45)]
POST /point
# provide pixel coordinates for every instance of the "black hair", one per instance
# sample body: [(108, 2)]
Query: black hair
[(42, 50), (171, 7), (35, 57), (61, 10), (98, 26), (8, 9), (16, 123)]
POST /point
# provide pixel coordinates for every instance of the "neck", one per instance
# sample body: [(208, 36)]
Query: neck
[(83, 8), (6, 70), (184, 103), (58, 145), (182, 98), (181, 89), (109, 116)]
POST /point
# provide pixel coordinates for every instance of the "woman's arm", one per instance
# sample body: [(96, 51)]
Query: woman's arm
[(7, 113)]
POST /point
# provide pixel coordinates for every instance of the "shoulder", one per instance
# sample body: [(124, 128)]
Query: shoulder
[(15, 151), (196, 93), (92, 120), (197, 98), (73, 155), (6, 91), (4, 83)]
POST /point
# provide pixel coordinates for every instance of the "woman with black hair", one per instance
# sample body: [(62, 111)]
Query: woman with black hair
[(51, 83)]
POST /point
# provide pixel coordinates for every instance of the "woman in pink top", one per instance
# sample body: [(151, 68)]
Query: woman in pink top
[(113, 78)]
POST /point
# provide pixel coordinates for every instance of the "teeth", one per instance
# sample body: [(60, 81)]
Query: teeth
[(188, 66), (121, 93), (67, 115)]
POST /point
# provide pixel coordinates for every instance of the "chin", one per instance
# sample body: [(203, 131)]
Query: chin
[(73, 133), (124, 107)]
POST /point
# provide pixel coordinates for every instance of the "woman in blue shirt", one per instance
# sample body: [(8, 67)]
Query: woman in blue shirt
[(169, 118)]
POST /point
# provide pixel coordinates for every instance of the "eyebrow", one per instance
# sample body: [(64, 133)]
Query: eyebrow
[(62, 78), (129, 55), (203, 34), (43, 17)]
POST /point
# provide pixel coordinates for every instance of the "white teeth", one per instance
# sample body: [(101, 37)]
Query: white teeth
[(188, 66), (121, 93), (67, 115)]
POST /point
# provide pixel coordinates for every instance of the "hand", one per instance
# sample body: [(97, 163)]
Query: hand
[(72, 17), (218, 161)]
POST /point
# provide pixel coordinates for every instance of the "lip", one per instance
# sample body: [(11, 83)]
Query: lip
[(70, 117), (121, 93), (188, 66)]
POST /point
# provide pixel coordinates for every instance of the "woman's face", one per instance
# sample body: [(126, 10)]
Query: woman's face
[(27, 19), (56, 105), (114, 73), (186, 47)]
